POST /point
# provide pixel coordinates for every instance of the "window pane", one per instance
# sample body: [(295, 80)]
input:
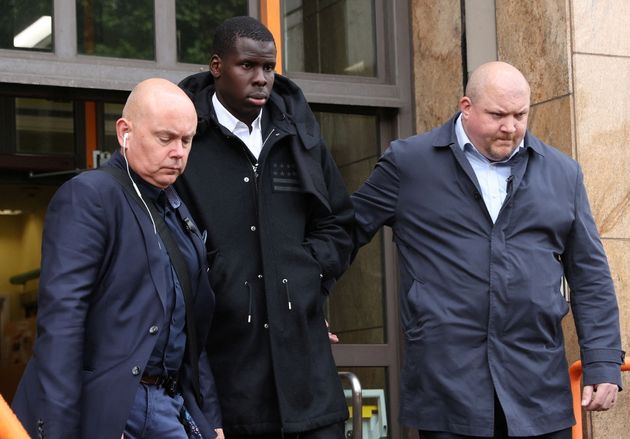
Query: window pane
[(196, 22), (356, 310), (44, 126), (117, 28), (26, 24), (310, 46)]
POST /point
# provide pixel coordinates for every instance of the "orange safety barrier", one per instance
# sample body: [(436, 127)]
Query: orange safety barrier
[(575, 373), (10, 426)]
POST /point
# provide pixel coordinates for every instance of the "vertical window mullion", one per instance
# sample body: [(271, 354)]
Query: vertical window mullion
[(165, 33), (65, 28), (271, 16)]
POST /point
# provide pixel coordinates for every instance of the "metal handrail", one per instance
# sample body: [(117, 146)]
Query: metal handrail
[(357, 403), (575, 374)]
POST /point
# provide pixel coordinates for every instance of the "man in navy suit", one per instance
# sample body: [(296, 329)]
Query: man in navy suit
[(115, 352)]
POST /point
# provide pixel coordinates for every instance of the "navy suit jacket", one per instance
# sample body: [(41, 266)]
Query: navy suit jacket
[(99, 297)]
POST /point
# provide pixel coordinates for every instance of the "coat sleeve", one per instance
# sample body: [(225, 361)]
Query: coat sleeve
[(328, 232), (376, 201), (593, 299), (72, 254), (211, 407), (207, 416)]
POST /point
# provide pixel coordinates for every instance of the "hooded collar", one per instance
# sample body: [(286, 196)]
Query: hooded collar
[(286, 106)]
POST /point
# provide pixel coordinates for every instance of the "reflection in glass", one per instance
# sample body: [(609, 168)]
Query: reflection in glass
[(196, 22), (310, 45), (356, 308), (26, 24), (111, 113), (44, 126), (116, 28), (375, 399)]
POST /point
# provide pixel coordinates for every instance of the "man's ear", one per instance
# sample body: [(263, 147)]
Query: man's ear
[(464, 105), (215, 66)]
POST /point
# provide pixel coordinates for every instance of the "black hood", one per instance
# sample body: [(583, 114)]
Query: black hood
[(286, 101)]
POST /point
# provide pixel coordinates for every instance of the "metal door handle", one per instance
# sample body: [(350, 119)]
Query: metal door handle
[(357, 402)]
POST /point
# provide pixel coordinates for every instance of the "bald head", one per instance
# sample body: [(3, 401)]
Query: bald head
[(496, 74), (495, 108), (156, 130), (151, 95)]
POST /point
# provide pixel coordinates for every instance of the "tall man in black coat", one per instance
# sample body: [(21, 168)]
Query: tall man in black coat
[(263, 184)]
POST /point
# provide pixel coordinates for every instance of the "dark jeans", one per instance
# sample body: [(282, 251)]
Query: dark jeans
[(334, 431), (154, 415), (500, 430)]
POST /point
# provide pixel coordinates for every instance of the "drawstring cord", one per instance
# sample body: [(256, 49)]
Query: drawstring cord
[(285, 282), (286, 289), (249, 312)]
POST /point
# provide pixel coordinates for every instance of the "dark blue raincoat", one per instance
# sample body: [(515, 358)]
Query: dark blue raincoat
[(481, 303)]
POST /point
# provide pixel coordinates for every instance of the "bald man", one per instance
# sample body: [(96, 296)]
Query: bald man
[(487, 220), (124, 300)]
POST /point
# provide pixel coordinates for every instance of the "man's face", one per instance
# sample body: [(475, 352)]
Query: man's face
[(244, 77), (496, 120), (160, 141)]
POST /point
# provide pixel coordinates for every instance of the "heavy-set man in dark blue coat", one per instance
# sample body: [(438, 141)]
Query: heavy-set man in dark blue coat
[(487, 220), (113, 346)]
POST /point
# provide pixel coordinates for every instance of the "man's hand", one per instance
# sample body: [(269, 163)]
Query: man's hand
[(599, 397), (332, 338), (219, 432)]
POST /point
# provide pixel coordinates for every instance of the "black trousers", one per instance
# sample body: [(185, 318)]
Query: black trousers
[(500, 430), (334, 431)]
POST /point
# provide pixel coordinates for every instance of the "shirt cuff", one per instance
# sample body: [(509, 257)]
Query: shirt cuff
[(602, 366)]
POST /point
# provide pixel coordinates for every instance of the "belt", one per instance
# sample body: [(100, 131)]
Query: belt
[(168, 382)]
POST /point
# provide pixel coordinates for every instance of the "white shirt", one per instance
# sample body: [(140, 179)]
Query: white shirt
[(492, 176), (253, 139)]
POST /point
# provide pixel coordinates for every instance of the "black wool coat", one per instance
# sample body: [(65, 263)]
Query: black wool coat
[(278, 237)]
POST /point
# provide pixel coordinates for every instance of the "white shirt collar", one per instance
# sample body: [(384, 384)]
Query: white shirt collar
[(463, 139), (252, 139), (228, 120)]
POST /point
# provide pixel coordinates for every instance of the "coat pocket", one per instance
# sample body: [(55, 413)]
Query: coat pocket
[(413, 311), (216, 270)]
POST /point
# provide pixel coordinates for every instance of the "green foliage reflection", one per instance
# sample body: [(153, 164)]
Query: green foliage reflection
[(116, 28), (196, 22)]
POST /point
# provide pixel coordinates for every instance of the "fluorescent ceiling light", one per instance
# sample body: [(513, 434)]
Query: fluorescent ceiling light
[(10, 212), (36, 33)]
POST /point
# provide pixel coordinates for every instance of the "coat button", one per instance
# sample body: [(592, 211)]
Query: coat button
[(266, 325), (321, 275), (153, 330), (252, 228), (260, 276), (135, 371), (246, 179)]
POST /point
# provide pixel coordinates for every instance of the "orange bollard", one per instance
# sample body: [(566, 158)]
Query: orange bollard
[(10, 426), (575, 374)]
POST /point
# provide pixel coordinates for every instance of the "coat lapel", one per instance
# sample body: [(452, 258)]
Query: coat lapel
[(153, 248)]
